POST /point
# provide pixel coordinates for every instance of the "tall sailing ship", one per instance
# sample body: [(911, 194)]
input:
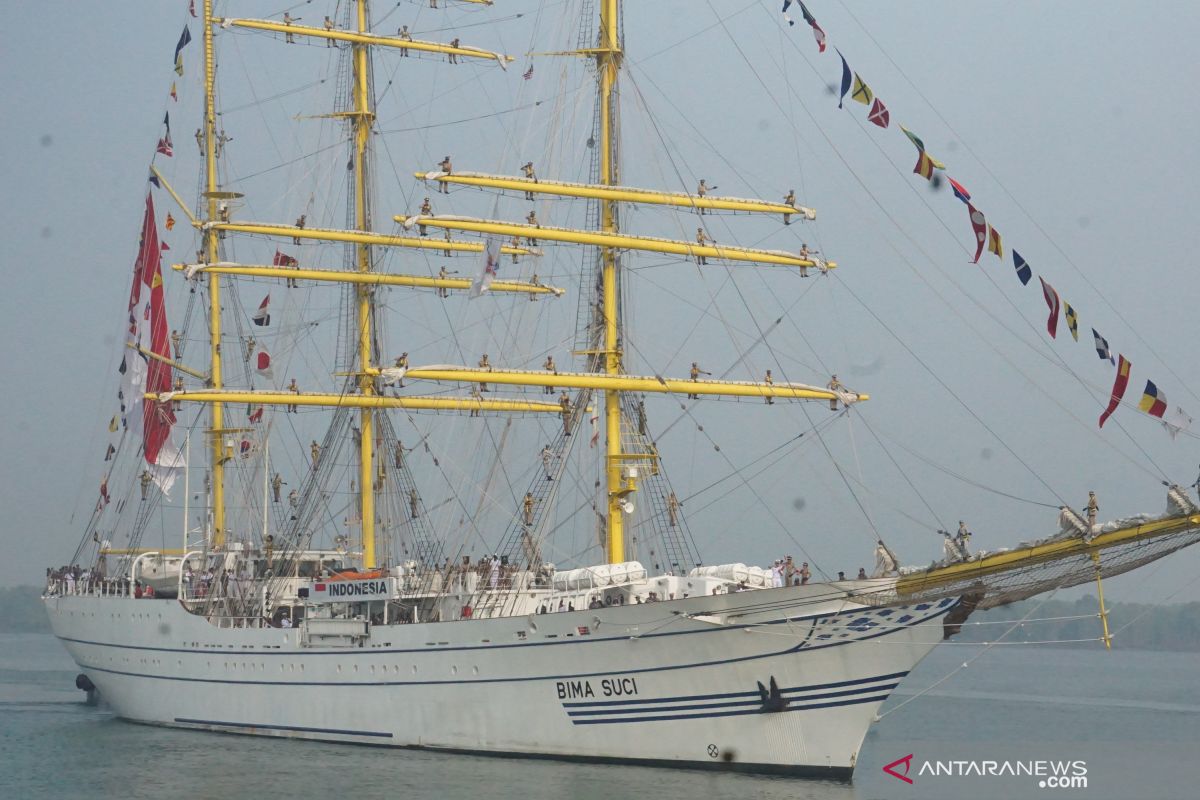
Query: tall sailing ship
[(312, 589)]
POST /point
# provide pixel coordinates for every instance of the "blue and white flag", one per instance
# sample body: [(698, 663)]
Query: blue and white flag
[(845, 78), (487, 271), (1102, 347), (1024, 273)]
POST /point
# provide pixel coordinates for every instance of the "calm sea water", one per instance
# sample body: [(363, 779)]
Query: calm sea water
[(1133, 717)]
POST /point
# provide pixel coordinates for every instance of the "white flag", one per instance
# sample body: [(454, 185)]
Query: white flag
[(487, 271), (1176, 420)]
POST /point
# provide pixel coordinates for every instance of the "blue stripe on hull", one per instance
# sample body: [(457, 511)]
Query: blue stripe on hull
[(251, 726)]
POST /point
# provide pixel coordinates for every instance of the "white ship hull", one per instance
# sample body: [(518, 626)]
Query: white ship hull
[(659, 683)]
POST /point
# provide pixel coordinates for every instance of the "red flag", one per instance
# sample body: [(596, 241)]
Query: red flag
[(157, 417), (879, 114), (257, 414), (164, 146), (1051, 301), (164, 247), (263, 315), (980, 226), (104, 490), (283, 260), (1118, 390)]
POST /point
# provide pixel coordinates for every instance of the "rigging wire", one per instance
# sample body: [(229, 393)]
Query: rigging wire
[(1053, 242)]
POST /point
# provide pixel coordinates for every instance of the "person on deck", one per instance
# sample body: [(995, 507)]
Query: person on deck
[(673, 505), (549, 367), (414, 503), (453, 57), (564, 403), (789, 199), (962, 539), (277, 483), (695, 373), (862, 573), (300, 224), (294, 388), (316, 453), (530, 175), (404, 36), (768, 380), (329, 42), (444, 273), (701, 190), (288, 19), (145, 479), (485, 365), (176, 341), (1092, 508), (548, 457), (702, 239), (445, 166), (532, 219), (527, 508), (834, 385), (399, 454), (805, 573), (401, 363), (426, 211), (804, 256), (494, 572)]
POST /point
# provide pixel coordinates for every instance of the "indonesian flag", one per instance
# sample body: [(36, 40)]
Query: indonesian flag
[(979, 223), (262, 363), (1053, 303), (283, 260), (879, 114), (491, 261), (1118, 391), (263, 315)]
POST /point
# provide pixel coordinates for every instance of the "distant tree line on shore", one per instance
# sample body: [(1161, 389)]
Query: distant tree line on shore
[(1151, 627)]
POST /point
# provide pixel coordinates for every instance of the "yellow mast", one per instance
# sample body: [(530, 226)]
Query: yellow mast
[(608, 55), (363, 118), (214, 283)]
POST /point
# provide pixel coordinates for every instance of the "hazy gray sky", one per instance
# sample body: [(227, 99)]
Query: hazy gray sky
[(1070, 123)]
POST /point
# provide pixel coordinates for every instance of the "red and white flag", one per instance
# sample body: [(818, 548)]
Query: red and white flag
[(879, 114), (595, 420), (262, 363), (1053, 303), (981, 227)]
